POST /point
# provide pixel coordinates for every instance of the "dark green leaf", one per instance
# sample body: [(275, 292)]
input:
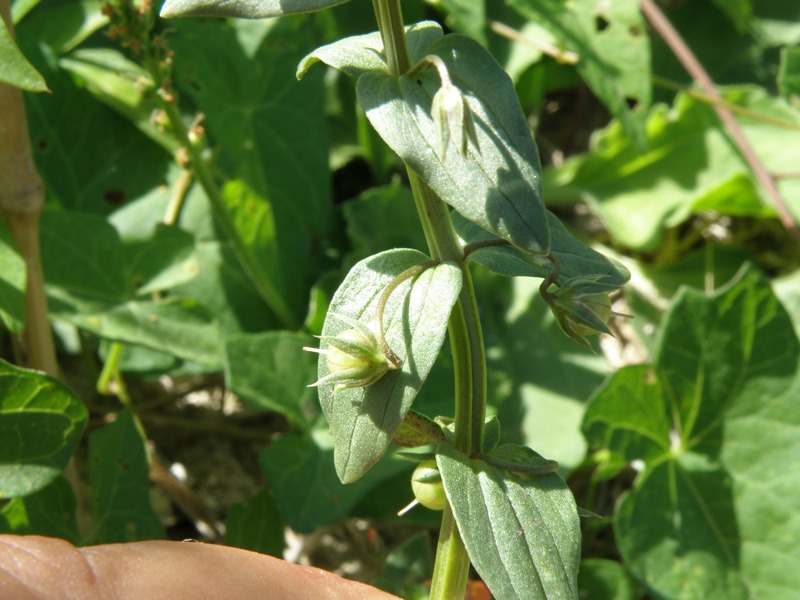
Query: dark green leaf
[(255, 525), (162, 262), (272, 371), (119, 473), (363, 419), (304, 484), (521, 531), (497, 188), (789, 75), (41, 422), (247, 9), (62, 25), (50, 512), (613, 50), (407, 565), (601, 579)]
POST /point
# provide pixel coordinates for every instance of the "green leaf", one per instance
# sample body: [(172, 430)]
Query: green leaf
[(467, 17), (521, 531), (692, 166), (247, 9), (180, 327), (407, 565), (14, 68), (91, 158), (162, 262), (613, 47), (62, 26), (498, 188), (541, 407), (41, 423), (789, 74), (601, 579), (119, 472), (576, 258), (270, 371), (255, 525), (120, 84), (383, 218), (738, 11), (363, 419), (305, 487), (715, 426), (273, 136), (49, 512), (360, 54), (12, 284)]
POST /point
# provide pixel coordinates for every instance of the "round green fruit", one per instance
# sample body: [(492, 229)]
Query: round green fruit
[(426, 482)]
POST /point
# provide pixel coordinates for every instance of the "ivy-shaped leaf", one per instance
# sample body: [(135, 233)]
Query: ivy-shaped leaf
[(716, 423), (521, 530), (363, 419)]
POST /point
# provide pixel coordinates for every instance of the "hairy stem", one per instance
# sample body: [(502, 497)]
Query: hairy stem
[(466, 339)]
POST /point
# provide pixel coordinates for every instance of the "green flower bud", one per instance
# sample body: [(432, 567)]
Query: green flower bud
[(452, 117), (353, 357), (580, 309), (426, 482)]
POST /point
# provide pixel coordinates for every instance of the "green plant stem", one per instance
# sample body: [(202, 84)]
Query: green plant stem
[(466, 339), (204, 177)]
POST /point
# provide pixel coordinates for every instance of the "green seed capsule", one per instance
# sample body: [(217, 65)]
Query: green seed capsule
[(427, 485)]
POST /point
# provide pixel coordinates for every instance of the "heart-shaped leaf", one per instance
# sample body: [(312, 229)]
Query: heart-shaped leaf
[(715, 424), (363, 419)]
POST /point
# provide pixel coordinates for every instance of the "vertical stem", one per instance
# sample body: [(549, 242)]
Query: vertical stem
[(466, 339), (21, 201)]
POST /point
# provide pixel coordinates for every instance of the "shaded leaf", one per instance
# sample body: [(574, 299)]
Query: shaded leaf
[(363, 419), (307, 492), (41, 423), (271, 371), (255, 525), (119, 473), (612, 44), (50, 512)]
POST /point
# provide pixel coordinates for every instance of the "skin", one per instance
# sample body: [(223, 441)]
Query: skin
[(33, 567)]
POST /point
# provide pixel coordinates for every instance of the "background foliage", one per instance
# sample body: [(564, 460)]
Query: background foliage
[(681, 433)]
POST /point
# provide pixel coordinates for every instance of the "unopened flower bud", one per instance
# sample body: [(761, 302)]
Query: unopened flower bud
[(426, 482), (353, 358), (452, 117), (580, 309)]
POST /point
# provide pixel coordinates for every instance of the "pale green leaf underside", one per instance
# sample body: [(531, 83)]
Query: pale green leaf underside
[(720, 487), (245, 9), (498, 188), (521, 532), (577, 259), (41, 422), (363, 419)]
